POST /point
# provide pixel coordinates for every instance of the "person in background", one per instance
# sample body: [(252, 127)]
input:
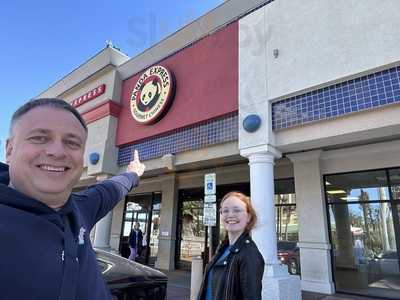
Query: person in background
[(135, 241), (236, 270), (45, 251)]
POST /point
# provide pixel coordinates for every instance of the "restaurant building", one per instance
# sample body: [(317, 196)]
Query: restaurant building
[(295, 102)]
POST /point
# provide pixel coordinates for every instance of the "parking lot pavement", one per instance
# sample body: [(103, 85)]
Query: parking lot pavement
[(316, 296), (178, 285)]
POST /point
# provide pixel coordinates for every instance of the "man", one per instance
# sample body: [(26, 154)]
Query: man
[(135, 241), (45, 251)]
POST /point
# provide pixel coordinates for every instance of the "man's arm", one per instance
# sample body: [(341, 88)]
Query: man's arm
[(97, 200)]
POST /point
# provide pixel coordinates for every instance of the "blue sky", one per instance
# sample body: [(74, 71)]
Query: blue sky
[(42, 41)]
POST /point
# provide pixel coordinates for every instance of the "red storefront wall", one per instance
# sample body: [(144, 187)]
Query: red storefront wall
[(206, 76)]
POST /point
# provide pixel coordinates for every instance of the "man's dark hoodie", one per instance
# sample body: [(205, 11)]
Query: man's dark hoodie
[(46, 254)]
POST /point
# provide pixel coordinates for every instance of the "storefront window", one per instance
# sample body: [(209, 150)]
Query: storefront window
[(363, 232), (363, 186), (287, 226), (192, 231), (394, 176), (155, 230)]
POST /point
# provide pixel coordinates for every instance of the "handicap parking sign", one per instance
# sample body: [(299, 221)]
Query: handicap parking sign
[(209, 184)]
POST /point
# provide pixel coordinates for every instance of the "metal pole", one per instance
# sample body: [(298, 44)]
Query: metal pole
[(210, 251)]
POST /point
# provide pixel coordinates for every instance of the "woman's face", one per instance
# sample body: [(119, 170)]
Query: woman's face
[(234, 215)]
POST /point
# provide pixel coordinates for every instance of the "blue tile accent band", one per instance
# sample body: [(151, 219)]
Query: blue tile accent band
[(199, 136), (364, 93)]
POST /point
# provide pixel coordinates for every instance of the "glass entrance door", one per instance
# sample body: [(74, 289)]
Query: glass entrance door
[(364, 226), (136, 211), (145, 210)]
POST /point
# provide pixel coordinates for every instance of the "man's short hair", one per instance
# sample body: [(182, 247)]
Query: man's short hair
[(46, 102)]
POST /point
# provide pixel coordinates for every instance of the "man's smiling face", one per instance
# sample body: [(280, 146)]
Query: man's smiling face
[(45, 154)]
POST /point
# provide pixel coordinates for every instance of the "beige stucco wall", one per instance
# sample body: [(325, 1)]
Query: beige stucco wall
[(101, 139), (320, 42), (253, 88)]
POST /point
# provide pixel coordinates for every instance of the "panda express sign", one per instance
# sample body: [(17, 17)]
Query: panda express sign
[(152, 94)]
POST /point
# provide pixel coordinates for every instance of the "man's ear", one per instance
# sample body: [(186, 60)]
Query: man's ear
[(9, 149)]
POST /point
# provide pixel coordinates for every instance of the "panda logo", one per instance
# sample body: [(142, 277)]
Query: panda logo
[(149, 95), (152, 95)]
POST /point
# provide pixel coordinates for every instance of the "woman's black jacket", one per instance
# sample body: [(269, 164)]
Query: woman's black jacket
[(239, 275)]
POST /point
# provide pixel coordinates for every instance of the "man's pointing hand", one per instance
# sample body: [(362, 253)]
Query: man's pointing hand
[(135, 165)]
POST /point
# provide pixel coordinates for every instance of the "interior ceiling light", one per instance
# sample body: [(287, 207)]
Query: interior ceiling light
[(333, 192), (349, 198)]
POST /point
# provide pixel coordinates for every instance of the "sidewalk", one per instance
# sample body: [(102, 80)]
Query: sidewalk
[(179, 289)]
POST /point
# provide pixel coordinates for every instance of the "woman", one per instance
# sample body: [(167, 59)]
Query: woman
[(236, 270), (135, 241)]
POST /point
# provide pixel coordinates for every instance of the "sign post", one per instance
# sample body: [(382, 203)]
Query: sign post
[(210, 206)]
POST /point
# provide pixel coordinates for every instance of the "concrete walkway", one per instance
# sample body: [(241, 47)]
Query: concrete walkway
[(179, 289)]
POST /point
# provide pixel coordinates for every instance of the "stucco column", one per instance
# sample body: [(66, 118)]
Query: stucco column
[(315, 248), (168, 218), (262, 198), (277, 283), (103, 227), (102, 233)]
